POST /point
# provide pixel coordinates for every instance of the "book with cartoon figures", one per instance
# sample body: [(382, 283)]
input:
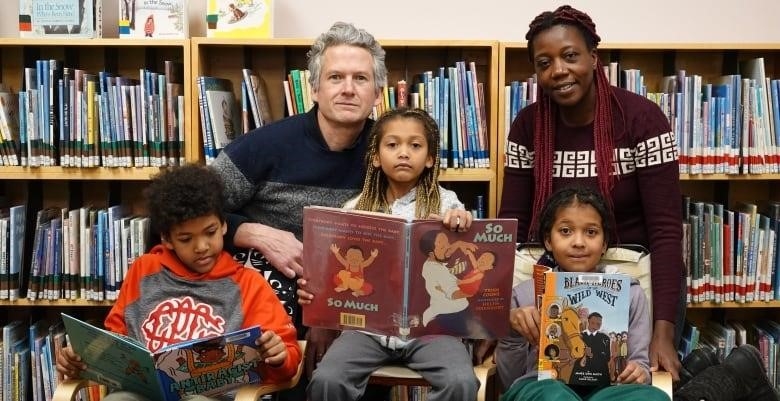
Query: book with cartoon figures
[(239, 19), (384, 274), (157, 19), (207, 366), (583, 338)]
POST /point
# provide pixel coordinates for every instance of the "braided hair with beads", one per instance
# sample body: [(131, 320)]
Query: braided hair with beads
[(544, 118), (373, 196)]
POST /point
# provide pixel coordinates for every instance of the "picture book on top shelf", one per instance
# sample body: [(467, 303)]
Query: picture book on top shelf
[(58, 18), (583, 336), (207, 366), (384, 274), (240, 19), (161, 19)]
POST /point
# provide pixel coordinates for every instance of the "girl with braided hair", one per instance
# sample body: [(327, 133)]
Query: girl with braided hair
[(402, 171), (582, 131)]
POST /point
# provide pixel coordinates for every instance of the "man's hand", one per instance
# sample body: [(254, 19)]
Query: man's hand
[(662, 352), (526, 321), (318, 341), (282, 250)]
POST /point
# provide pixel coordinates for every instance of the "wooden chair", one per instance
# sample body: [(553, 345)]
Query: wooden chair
[(67, 390), (395, 375)]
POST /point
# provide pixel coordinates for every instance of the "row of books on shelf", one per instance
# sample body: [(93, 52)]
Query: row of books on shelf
[(723, 337), (728, 126), (29, 359), (69, 117), (453, 97), (144, 18), (731, 255), (81, 253)]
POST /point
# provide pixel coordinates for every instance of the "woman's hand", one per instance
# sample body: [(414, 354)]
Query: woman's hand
[(663, 355), (526, 321)]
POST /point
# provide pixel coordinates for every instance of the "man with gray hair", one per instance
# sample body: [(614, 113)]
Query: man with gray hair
[(315, 158)]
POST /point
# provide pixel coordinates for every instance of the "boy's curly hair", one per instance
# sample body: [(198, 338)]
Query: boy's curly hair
[(178, 194)]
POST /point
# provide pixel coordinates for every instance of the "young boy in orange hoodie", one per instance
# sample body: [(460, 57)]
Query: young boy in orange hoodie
[(188, 287)]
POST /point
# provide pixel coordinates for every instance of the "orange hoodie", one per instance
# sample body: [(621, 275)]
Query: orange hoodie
[(162, 302)]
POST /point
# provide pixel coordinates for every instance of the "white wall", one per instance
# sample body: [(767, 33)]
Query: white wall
[(751, 21)]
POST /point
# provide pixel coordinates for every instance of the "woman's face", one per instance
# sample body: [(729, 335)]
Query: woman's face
[(564, 67)]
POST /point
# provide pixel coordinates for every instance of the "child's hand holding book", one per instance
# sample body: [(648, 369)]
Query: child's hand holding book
[(272, 349), (526, 321), (69, 364)]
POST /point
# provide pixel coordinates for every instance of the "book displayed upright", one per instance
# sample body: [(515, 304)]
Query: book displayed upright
[(240, 19), (160, 19), (208, 366), (583, 336), (384, 274), (58, 18)]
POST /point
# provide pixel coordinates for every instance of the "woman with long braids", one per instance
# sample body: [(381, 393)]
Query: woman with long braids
[(582, 131)]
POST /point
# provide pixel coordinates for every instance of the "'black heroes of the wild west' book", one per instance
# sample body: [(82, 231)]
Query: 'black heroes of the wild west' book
[(583, 338)]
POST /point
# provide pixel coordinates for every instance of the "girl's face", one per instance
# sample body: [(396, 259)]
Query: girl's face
[(403, 152), (576, 239), (565, 68)]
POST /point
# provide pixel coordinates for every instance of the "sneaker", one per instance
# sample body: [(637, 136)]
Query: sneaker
[(695, 363), (741, 377), (747, 365)]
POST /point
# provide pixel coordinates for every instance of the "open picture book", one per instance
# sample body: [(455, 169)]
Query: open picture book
[(207, 366), (384, 274), (583, 336)]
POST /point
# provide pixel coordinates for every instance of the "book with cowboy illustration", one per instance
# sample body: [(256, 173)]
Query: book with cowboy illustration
[(208, 366), (583, 338), (384, 274)]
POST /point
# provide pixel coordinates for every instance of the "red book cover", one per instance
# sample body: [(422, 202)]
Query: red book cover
[(383, 274)]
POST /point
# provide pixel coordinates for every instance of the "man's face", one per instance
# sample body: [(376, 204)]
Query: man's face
[(347, 89)]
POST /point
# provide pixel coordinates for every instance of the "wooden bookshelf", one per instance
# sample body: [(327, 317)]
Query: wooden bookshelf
[(71, 187), (273, 58)]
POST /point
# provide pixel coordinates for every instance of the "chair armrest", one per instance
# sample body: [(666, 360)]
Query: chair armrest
[(663, 381), (251, 392), (67, 390)]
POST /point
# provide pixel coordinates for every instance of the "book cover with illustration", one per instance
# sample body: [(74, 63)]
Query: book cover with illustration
[(384, 274), (240, 19), (583, 338), (160, 19), (57, 18), (207, 366)]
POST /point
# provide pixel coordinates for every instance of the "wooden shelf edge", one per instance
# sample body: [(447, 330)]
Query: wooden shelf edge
[(734, 305), (62, 303), (655, 46), (466, 174), (76, 173), (98, 42), (730, 177)]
